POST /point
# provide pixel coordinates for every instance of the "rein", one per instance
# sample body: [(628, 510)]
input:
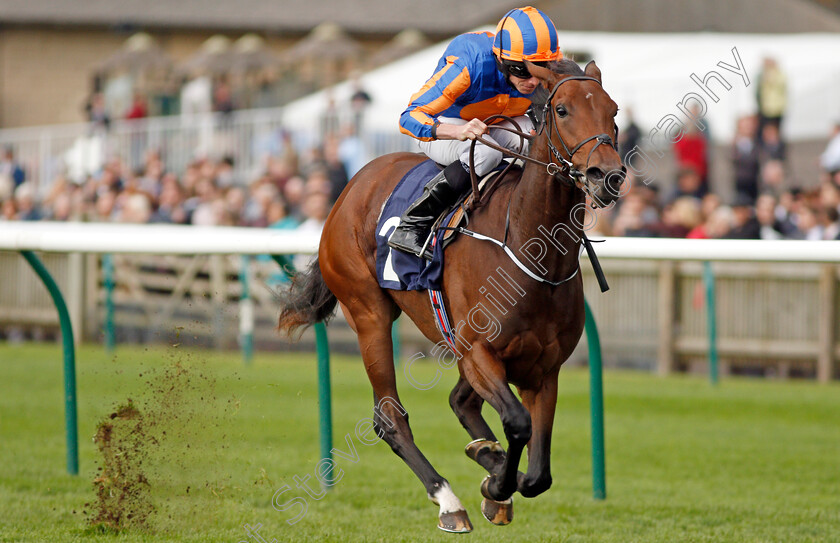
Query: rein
[(567, 172)]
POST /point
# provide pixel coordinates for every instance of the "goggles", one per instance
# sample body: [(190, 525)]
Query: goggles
[(518, 69)]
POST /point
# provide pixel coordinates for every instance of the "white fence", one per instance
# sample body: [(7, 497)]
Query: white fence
[(777, 301)]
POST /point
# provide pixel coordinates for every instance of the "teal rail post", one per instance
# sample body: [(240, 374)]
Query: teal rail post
[(108, 272), (70, 421), (246, 311), (395, 341), (596, 406), (324, 390), (322, 347), (711, 320)]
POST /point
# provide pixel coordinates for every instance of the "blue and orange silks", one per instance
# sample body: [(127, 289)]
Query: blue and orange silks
[(466, 84)]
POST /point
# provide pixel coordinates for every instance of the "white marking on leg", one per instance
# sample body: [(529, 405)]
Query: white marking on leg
[(448, 501)]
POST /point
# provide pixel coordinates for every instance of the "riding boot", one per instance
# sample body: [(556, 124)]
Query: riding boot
[(440, 192)]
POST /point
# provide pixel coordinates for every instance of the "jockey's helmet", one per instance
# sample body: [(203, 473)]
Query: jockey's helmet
[(525, 34)]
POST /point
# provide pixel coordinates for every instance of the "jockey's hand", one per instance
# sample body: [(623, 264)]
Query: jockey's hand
[(462, 132), (472, 130)]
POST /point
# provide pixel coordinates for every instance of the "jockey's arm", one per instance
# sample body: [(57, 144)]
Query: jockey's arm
[(462, 132)]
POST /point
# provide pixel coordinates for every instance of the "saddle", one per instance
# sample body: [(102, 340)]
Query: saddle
[(450, 220)]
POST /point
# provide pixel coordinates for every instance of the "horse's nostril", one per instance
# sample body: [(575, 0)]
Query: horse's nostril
[(613, 182), (594, 174)]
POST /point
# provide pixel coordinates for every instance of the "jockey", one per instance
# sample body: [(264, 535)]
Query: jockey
[(480, 74)]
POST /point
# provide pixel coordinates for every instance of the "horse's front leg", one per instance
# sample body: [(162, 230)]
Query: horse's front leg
[(486, 373), (541, 404), (484, 449)]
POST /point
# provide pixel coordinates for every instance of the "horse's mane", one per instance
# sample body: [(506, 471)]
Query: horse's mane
[(565, 66)]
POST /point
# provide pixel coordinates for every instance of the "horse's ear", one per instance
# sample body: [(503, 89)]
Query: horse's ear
[(543, 74), (592, 70)]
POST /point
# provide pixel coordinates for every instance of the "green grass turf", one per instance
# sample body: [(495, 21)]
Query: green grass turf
[(752, 460)]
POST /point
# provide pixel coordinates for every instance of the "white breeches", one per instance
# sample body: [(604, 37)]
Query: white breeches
[(446, 152)]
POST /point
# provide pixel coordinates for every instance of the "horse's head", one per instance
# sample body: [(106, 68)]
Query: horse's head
[(580, 125)]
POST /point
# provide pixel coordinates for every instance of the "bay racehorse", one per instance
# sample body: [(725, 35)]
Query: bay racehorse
[(572, 156)]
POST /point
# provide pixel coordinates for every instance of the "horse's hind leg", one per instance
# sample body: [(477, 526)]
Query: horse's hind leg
[(466, 403), (391, 419)]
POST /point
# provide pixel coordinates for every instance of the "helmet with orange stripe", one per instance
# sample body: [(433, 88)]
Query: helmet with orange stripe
[(525, 34)]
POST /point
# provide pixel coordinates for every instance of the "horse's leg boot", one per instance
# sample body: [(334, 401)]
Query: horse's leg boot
[(488, 454), (440, 192)]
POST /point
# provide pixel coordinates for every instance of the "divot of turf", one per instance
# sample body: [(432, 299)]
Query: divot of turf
[(122, 490), (145, 449)]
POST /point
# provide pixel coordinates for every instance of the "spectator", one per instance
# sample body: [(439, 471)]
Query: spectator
[(225, 174), (829, 220), (807, 224), (634, 215), (691, 152), (359, 102), (744, 224), (278, 215), (745, 159), (329, 120), (679, 218), (27, 208), (772, 146), (765, 213), (136, 209), (830, 159), (97, 114), (293, 194), (629, 136), (316, 207), (771, 95), (223, 98), (8, 211), (12, 174), (336, 172), (720, 222), (708, 206), (138, 108), (830, 195), (773, 177), (689, 184), (170, 207)]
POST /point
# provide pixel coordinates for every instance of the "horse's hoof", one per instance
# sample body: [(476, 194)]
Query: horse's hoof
[(499, 513), (479, 446), (456, 522)]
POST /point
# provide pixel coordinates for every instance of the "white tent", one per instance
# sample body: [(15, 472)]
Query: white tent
[(650, 73)]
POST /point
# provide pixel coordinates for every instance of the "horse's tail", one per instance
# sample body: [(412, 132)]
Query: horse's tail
[(305, 301)]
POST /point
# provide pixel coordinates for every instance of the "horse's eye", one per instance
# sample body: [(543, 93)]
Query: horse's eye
[(561, 111)]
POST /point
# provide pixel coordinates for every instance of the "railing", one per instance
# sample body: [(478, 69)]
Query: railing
[(248, 136), (773, 317)]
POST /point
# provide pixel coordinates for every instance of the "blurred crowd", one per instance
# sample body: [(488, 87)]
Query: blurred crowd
[(767, 204), (296, 188)]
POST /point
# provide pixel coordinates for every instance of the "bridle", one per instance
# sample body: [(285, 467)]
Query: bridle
[(551, 120), (565, 170)]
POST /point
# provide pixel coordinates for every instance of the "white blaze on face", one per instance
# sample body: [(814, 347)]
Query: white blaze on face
[(447, 500), (588, 95)]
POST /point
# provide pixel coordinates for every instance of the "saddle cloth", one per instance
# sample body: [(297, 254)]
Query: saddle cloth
[(397, 270)]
